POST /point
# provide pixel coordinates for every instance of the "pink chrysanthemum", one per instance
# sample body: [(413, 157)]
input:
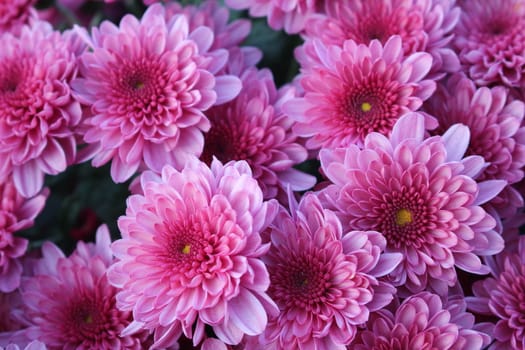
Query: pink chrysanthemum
[(358, 89), (497, 134), (420, 195), (147, 83), (253, 128), (226, 34), (423, 322), (16, 213), (71, 304), (16, 13), (490, 39), (190, 254), (290, 15), (38, 114), (502, 295), (424, 25), (323, 280)]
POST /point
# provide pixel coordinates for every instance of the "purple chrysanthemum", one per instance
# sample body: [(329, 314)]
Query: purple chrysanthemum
[(190, 254), (147, 84), (422, 322), (290, 15), (424, 25), (420, 195), (38, 114), (502, 295), (71, 304), (357, 89), (252, 127), (16, 213), (323, 279), (496, 128), (490, 40)]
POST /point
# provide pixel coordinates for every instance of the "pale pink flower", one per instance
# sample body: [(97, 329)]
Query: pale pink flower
[(323, 279), (147, 84), (190, 254), (424, 25), (490, 40), (289, 15), (14, 14), (419, 193), (38, 114), (252, 127), (496, 132), (16, 213), (502, 295), (357, 89), (71, 304), (423, 322)]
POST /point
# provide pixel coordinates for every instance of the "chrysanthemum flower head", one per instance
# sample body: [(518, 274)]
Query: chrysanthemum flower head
[(253, 128), (16, 213), (419, 193), (15, 14), (323, 279), (422, 321), (71, 304), (190, 253), (357, 89), (290, 15), (147, 84), (497, 132), (423, 25), (490, 39), (38, 114), (501, 295), (226, 34)]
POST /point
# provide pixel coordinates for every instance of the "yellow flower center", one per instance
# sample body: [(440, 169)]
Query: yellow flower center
[(186, 249), (366, 107), (88, 319), (403, 217)]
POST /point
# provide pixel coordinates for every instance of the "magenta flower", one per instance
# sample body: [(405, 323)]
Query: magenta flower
[(38, 114), (190, 254), (357, 89), (252, 127), (16, 213), (147, 84), (490, 39), (424, 25), (15, 14), (422, 321), (289, 15), (71, 304), (497, 132), (420, 195), (501, 295), (323, 279)]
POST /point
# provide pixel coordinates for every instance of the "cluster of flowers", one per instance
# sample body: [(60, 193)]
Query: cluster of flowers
[(407, 237)]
